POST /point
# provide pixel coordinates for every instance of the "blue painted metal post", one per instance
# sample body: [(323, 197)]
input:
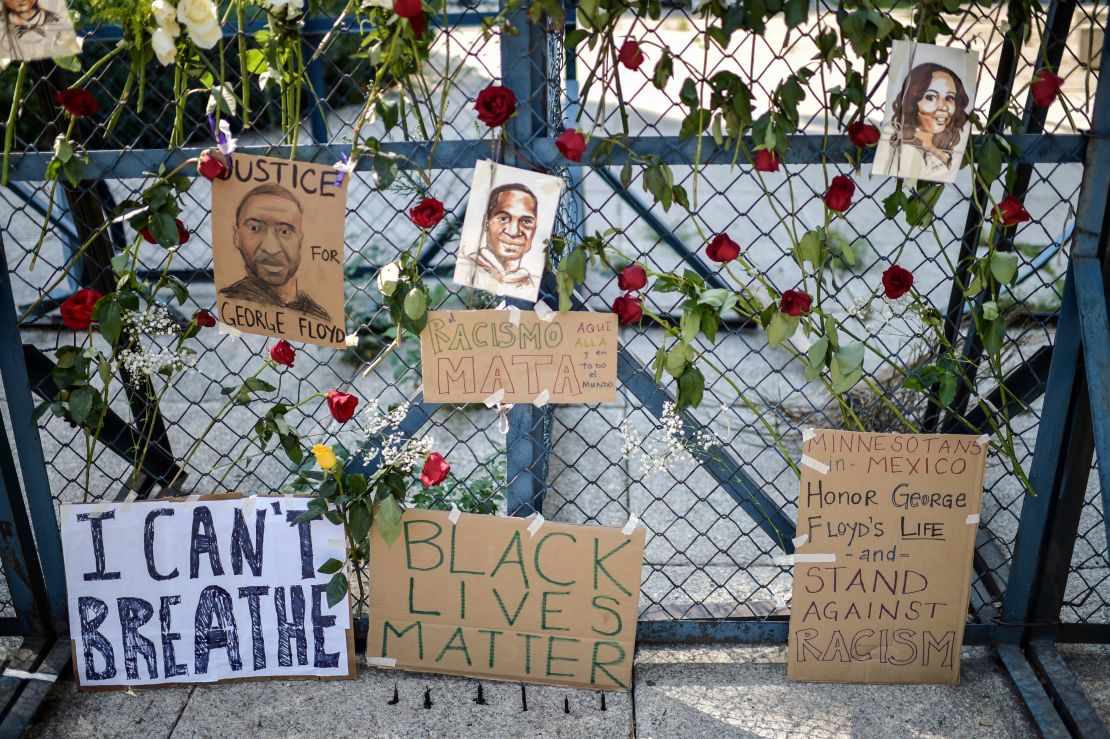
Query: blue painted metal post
[(524, 62)]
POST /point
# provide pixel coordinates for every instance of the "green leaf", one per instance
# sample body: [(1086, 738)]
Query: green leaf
[(809, 248), (851, 356), (990, 310), (337, 589), (796, 12), (817, 352), (691, 387), (109, 319), (416, 304), (359, 519), (388, 518), (690, 324), (989, 160), (781, 328), (677, 358), (843, 379), (664, 68), (330, 567), (80, 404), (1004, 266), (995, 336)]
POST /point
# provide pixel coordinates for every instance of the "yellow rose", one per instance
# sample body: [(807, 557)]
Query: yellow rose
[(325, 457)]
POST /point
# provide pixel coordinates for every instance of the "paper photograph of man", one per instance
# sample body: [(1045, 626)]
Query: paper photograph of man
[(277, 249), (506, 230), (37, 29), (930, 96)]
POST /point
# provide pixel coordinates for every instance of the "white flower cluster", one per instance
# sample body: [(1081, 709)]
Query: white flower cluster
[(657, 451), (149, 362), (154, 321), (164, 38), (201, 19), (396, 451), (287, 9)]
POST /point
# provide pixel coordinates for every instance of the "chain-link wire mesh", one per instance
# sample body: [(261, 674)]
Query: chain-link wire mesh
[(706, 557)]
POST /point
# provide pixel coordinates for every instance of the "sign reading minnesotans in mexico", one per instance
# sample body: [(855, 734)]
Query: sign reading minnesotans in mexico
[(882, 573), (277, 249), (506, 598), (202, 590)]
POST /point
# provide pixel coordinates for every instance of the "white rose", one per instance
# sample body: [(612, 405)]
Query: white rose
[(201, 21), (378, 4), (164, 13), (165, 48), (388, 277)]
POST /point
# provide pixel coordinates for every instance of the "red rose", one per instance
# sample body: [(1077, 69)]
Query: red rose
[(630, 55), (204, 318), (341, 405), (863, 134), (77, 309), (571, 145), (283, 353), (211, 167), (1011, 211), (897, 282), (632, 277), (408, 8), (722, 249), (839, 195), (435, 470), (1045, 87), (77, 102), (419, 23), (766, 161), (427, 213), (183, 233), (795, 303), (629, 309), (495, 105)]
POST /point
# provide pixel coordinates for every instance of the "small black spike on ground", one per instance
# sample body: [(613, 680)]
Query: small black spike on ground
[(566, 704), (481, 699), (523, 698), (396, 697), (603, 708), (427, 697)]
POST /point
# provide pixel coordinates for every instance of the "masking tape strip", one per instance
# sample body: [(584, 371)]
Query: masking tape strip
[(785, 560), (351, 340), (984, 439), (808, 434), (537, 521), (799, 540), (454, 515), (495, 397), (229, 330), (542, 398), (780, 602), (101, 507), (815, 464), (192, 498), (972, 518), (543, 310), (131, 497), (514, 315), (250, 504), (381, 661), (629, 527), (814, 557), (44, 676)]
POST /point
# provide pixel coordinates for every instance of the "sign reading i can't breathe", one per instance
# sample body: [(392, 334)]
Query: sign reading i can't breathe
[(506, 598), (882, 569), (201, 591)]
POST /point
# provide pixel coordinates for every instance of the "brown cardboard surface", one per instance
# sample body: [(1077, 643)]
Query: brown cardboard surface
[(291, 232), (485, 597), (882, 570), (467, 356)]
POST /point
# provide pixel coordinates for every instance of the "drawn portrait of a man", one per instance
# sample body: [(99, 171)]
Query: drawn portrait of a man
[(269, 235), (508, 223), (32, 30), (928, 115)]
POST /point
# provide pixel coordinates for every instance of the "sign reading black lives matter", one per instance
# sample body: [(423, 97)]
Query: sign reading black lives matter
[(193, 591), (277, 249), (882, 566)]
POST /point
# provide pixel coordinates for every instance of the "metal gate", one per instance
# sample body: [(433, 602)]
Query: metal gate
[(720, 521)]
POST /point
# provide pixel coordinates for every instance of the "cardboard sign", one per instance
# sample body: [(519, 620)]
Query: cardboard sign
[(36, 29), (506, 598), (277, 249), (469, 356), (199, 591), (509, 219), (882, 573)]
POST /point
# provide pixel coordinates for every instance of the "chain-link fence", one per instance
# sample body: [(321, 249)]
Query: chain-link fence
[(713, 556)]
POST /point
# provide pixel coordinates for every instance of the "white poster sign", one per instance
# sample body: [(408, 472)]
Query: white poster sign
[(193, 591)]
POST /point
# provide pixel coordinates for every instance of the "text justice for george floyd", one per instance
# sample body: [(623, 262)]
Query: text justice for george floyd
[(136, 633)]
